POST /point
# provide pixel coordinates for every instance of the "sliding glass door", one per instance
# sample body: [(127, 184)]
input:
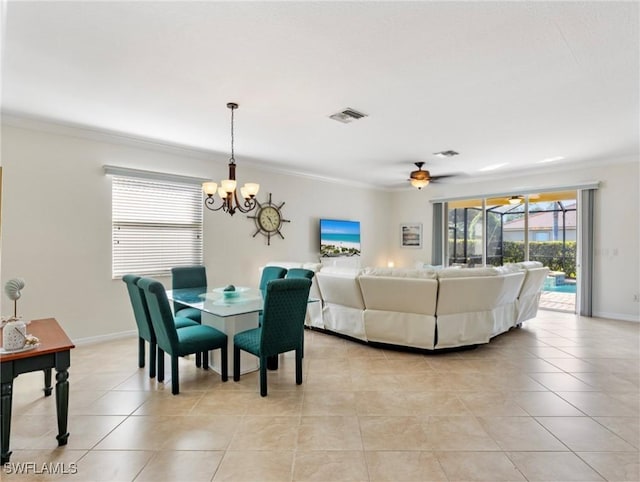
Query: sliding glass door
[(465, 233), (537, 227)]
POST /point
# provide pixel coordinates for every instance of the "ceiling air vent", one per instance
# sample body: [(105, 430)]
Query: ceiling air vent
[(347, 115), (446, 153)]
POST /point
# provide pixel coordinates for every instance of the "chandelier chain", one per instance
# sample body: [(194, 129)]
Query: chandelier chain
[(233, 159)]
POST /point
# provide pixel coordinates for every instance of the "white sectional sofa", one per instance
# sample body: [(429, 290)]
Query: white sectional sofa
[(399, 306), (475, 304), (428, 309)]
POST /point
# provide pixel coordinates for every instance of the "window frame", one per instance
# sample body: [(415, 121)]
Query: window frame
[(140, 201)]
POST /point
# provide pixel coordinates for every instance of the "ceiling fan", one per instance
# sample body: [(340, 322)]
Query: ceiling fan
[(420, 178)]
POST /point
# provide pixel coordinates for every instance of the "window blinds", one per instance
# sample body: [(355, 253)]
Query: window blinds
[(156, 225)]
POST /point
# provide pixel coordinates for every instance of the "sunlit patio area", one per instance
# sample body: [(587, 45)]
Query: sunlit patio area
[(553, 300)]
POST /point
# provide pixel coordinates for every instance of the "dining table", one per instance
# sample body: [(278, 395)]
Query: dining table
[(229, 314)]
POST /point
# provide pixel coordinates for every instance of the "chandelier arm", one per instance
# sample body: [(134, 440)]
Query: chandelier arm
[(249, 204), (210, 202)]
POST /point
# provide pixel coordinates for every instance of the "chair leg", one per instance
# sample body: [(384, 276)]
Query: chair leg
[(205, 360), (198, 360), (175, 383), (272, 362), (153, 352), (299, 367), (224, 363), (140, 352), (263, 376), (236, 363), (160, 365)]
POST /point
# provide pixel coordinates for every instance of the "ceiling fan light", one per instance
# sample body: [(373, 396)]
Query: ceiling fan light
[(419, 183)]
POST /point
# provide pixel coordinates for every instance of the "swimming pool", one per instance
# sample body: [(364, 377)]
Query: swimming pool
[(568, 288)]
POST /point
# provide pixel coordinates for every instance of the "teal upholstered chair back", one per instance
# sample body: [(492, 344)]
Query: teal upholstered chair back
[(269, 273), (161, 315), (140, 308), (300, 273), (285, 306), (187, 277)]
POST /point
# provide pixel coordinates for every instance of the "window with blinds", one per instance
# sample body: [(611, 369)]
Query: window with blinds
[(156, 225)]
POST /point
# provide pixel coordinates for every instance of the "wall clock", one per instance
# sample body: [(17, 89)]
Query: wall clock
[(269, 219)]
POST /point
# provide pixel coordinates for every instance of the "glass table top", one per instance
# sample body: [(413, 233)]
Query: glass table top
[(210, 300)]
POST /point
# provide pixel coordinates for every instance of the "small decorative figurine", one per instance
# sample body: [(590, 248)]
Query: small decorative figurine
[(12, 289)]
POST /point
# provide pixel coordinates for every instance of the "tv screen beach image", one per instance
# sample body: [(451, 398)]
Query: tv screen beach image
[(339, 238)]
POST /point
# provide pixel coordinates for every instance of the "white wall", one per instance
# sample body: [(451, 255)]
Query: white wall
[(617, 232), (56, 223)]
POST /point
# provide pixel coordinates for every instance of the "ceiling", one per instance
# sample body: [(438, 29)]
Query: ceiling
[(502, 83)]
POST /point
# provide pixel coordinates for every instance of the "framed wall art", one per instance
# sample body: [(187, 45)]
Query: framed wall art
[(411, 235)]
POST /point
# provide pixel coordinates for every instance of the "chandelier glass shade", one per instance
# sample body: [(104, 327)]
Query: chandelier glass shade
[(227, 192)]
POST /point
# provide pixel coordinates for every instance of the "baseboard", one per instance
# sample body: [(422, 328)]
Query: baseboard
[(617, 316), (101, 338)]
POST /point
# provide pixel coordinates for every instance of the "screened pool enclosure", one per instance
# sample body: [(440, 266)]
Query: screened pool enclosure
[(537, 227)]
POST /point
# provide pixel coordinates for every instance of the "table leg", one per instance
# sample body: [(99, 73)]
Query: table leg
[(47, 382), (62, 404), (6, 393), (230, 325)]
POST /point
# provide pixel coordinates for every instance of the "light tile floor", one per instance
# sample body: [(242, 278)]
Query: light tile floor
[(557, 400)]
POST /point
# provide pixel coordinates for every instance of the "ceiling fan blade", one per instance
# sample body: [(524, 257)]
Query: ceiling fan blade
[(442, 176)]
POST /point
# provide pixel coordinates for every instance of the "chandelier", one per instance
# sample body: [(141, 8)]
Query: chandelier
[(227, 190)]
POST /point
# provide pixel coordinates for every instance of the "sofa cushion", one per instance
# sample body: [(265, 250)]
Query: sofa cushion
[(529, 264), (400, 273), (467, 272), (509, 268), (315, 267), (340, 289), (404, 295)]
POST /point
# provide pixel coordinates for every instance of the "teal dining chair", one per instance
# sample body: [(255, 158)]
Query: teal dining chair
[(270, 273), (285, 306), (185, 341), (188, 277), (296, 273), (300, 273), (143, 322)]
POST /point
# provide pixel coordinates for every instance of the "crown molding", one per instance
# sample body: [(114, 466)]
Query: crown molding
[(70, 129)]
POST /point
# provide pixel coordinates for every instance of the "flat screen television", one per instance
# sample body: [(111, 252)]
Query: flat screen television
[(339, 238)]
